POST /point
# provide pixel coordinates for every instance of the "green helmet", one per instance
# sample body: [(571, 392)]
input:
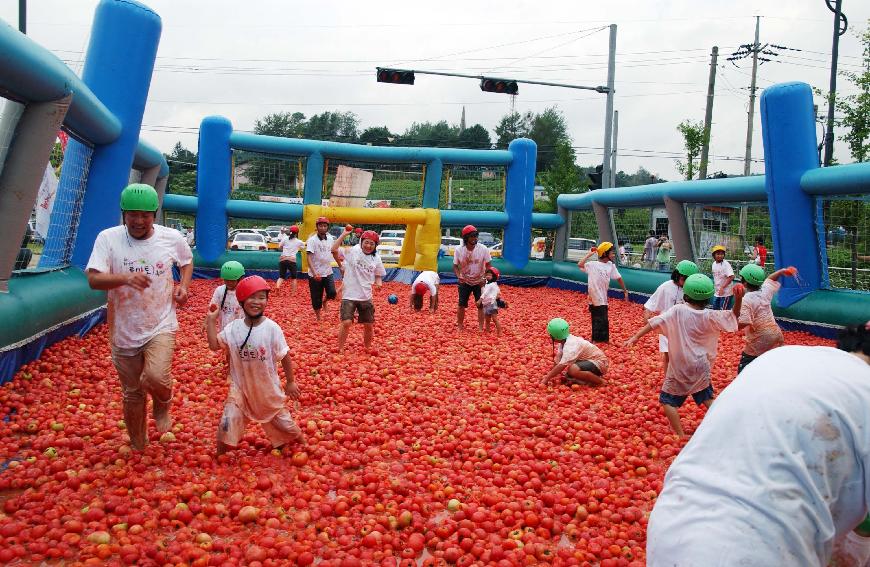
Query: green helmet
[(139, 197), (558, 329), (698, 287), (232, 270), (753, 274), (686, 268)]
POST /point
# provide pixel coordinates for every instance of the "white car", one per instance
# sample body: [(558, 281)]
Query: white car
[(579, 247), (390, 249), (449, 244), (248, 241), (400, 234)]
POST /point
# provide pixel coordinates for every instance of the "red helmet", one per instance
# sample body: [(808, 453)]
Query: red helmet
[(421, 289), (495, 273), (469, 229), (370, 235), (249, 286), (321, 220), (358, 230), (294, 228)]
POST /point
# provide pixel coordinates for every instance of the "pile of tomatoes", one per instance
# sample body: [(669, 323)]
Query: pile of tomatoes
[(440, 448)]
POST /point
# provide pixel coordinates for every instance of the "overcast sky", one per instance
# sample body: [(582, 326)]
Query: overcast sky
[(243, 60)]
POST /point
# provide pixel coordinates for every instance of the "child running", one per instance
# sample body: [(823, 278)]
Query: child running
[(489, 300), (666, 296), (362, 268), (254, 346), (426, 281), (723, 278), (756, 315), (290, 245), (224, 296), (693, 336), (585, 362), (598, 279)]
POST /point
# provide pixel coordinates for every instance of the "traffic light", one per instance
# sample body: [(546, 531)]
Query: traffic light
[(395, 76), (499, 86), (595, 177)]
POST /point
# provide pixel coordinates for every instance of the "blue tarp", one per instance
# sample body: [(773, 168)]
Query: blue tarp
[(12, 359)]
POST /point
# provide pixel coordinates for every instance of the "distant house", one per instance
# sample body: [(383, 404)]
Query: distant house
[(540, 194)]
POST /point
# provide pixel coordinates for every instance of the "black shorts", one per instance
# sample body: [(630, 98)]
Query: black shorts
[(465, 291), (588, 366), (366, 310), (318, 287), (287, 270), (700, 397)]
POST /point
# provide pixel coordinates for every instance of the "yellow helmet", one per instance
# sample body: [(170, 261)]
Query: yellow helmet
[(604, 247), (717, 248)]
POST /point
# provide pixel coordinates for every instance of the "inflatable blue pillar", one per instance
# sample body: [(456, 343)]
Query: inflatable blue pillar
[(313, 191), (432, 184), (789, 134), (518, 200), (118, 69), (213, 186)]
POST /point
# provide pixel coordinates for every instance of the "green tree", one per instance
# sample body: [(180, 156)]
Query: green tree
[(438, 134), (333, 126), (563, 175), (377, 136), (182, 170), (856, 108), (549, 130), (282, 124), (693, 141), (475, 137), (511, 126)]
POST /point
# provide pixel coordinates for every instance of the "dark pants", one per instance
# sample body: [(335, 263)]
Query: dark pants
[(600, 324), (745, 359), (317, 287)]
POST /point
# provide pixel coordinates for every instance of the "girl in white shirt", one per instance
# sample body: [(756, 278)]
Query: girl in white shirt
[(666, 296), (756, 315), (224, 296), (489, 300)]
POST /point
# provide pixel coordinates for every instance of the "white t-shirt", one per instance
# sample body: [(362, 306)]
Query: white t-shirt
[(231, 309), (489, 294), (576, 348), (721, 272), (135, 317), (290, 246), (649, 248), (430, 279), (472, 264), (319, 255), (360, 271), (254, 384), (778, 470), (693, 336), (665, 296), (598, 279), (763, 333)]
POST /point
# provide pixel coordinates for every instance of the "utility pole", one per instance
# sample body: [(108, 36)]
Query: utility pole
[(747, 160), (708, 113), (839, 18), (613, 153), (608, 111)]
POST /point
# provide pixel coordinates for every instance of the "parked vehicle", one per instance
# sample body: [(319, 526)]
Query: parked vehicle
[(496, 251), (487, 239), (393, 234), (449, 243), (390, 249), (579, 247), (249, 241)]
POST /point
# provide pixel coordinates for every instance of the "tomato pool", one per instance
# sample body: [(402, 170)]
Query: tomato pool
[(441, 448)]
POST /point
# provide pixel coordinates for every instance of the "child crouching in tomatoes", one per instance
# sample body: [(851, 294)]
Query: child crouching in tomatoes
[(254, 346), (585, 363)]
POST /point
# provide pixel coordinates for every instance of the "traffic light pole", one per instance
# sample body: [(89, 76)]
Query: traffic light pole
[(598, 89), (608, 111)]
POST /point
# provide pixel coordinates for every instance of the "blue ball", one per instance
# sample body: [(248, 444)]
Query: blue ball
[(393, 299)]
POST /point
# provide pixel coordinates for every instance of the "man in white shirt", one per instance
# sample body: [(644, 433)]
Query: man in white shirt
[(470, 262), (290, 245), (319, 251), (134, 264), (649, 250), (779, 470)]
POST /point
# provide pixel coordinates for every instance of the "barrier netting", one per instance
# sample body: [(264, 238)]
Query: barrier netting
[(473, 187), (843, 224), (736, 226), (373, 185), (67, 207), (267, 177), (632, 226)]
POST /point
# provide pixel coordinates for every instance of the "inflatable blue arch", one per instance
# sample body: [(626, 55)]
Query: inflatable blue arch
[(103, 110)]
